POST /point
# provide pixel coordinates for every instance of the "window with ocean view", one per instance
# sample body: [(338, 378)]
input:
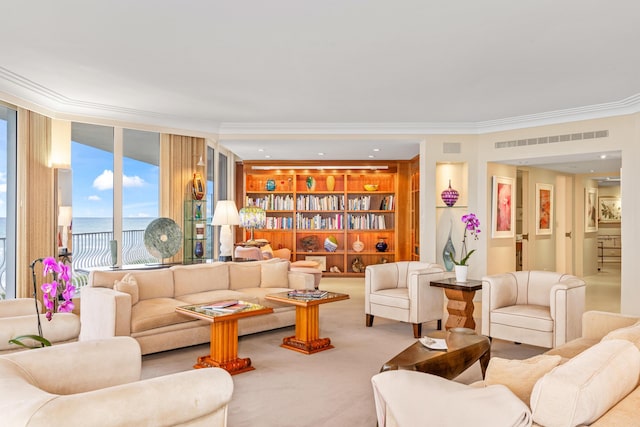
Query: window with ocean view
[(211, 201), (8, 121), (98, 198)]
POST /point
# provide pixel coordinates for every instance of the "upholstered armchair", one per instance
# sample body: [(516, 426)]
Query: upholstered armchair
[(97, 383), (401, 291), (18, 317), (540, 308)]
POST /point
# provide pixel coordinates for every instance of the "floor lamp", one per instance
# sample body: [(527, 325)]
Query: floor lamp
[(225, 215)]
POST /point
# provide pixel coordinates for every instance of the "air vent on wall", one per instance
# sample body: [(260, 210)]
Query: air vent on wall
[(550, 139), (451, 147)]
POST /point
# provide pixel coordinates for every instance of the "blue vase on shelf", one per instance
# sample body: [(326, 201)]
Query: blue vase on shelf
[(198, 250), (449, 253)]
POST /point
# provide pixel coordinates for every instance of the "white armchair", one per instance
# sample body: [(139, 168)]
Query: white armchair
[(540, 308), (18, 317), (401, 291), (97, 383)]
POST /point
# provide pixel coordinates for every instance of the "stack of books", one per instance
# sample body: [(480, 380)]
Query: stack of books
[(230, 306), (306, 293)]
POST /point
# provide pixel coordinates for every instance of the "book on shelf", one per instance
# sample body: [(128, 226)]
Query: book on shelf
[(229, 306), (307, 293)]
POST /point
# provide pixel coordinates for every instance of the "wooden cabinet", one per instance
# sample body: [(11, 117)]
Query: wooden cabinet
[(307, 207)]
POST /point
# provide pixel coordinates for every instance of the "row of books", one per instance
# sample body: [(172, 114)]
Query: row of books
[(279, 223), (271, 202), (317, 203), (319, 222), (366, 222)]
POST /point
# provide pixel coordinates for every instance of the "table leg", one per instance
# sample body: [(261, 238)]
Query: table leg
[(223, 349), (306, 339), (460, 308), (484, 361)]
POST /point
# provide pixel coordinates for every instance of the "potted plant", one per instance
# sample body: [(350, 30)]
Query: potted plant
[(472, 227)]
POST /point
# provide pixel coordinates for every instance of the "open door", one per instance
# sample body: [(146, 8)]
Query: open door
[(522, 221)]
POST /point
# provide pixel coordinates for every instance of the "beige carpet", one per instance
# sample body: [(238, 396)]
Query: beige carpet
[(330, 388)]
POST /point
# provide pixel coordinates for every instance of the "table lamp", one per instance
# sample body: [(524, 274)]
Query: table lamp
[(252, 217), (225, 215)]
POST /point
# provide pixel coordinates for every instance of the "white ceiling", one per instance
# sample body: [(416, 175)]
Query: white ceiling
[(339, 67)]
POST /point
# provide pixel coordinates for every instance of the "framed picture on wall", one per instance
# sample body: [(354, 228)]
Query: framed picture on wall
[(503, 213), (544, 209), (590, 210), (609, 209)]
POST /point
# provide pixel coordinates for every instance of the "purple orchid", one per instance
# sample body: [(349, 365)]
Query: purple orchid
[(59, 288)]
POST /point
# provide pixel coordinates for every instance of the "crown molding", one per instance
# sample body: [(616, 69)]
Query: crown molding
[(29, 94)]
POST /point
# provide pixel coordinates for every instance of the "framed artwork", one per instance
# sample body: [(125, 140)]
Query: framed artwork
[(590, 210), (609, 209), (321, 260), (544, 209), (503, 213)]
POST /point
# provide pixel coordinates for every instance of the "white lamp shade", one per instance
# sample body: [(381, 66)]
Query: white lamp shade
[(226, 213)]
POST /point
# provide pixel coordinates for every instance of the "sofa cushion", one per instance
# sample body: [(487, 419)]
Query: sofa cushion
[(267, 251), (244, 275), (258, 295), (154, 283), (156, 313), (520, 375), (129, 285), (572, 348), (394, 297), (630, 333), (274, 275), (587, 386), (191, 279), (534, 317)]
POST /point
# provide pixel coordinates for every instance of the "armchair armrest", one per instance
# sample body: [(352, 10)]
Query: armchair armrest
[(81, 366), (299, 280), (597, 324), (104, 313), (566, 306), (423, 297)]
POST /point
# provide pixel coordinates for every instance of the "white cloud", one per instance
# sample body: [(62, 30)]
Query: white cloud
[(94, 198), (141, 215), (3, 177), (132, 181), (3, 188), (104, 181)]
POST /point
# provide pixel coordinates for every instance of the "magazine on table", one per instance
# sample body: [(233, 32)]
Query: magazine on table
[(229, 306), (307, 293)]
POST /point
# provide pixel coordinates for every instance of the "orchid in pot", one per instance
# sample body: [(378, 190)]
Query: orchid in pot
[(472, 228), (57, 296)]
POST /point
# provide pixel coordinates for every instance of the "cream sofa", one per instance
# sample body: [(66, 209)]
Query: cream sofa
[(17, 317), (141, 303), (97, 383), (591, 380)]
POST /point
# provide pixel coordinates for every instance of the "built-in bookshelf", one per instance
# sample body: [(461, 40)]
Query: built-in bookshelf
[(305, 207)]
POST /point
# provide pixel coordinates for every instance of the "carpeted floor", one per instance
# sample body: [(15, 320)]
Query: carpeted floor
[(330, 388)]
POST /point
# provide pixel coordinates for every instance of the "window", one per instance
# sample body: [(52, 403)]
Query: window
[(8, 158), (211, 181)]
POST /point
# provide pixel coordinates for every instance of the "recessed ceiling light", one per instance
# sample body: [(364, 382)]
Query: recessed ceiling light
[(376, 149), (267, 156), (371, 156), (603, 156), (591, 171), (260, 150), (320, 154)]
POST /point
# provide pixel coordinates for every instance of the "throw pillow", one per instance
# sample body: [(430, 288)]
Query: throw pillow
[(586, 387), (129, 285), (302, 263), (267, 251), (630, 333), (275, 275), (520, 376)]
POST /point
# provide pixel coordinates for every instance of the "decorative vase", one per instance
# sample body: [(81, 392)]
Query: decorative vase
[(461, 273), (358, 246), (449, 253), (450, 196), (197, 186), (331, 183), (381, 246), (198, 211), (311, 183), (198, 250), (271, 185)]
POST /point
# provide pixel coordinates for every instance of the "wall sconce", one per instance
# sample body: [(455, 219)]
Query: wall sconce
[(225, 215), (253, 217)]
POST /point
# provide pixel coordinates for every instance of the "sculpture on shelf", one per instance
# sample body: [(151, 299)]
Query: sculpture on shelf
[(197, 186), (330, 244), (449, 252), (450, 196), (311, 183), (357, 266), (310, 243), (358, 246)]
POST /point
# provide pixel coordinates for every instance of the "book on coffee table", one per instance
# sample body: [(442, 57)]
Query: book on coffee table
[(306, 293), (230, 306)]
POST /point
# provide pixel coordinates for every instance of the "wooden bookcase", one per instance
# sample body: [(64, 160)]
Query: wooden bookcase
[(301, 206)]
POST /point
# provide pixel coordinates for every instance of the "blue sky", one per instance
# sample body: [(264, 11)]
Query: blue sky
[(93, 184)]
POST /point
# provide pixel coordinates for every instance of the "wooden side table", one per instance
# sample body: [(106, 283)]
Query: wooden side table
[(460, 306)]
